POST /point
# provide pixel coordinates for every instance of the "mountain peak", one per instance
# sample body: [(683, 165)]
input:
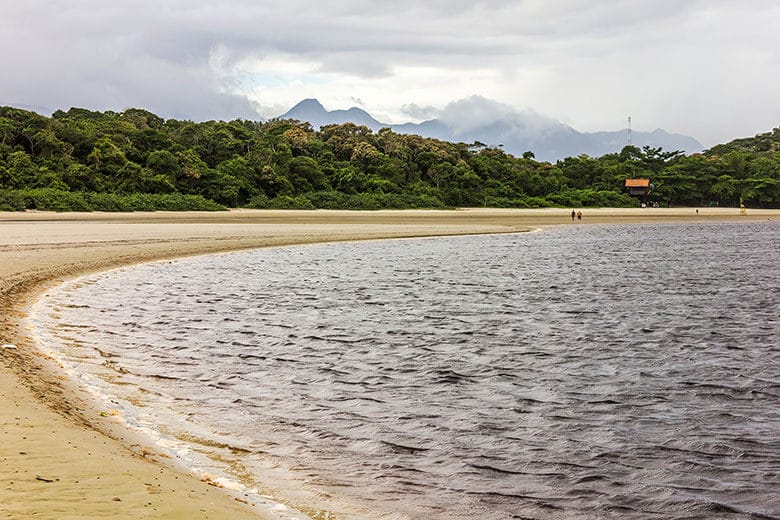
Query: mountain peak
[(311, 110), (306, 110), (309, 103)]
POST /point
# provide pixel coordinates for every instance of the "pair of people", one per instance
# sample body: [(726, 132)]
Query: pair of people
[(577, 214)]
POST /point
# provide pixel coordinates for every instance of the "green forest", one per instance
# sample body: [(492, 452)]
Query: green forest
[(135, 160)]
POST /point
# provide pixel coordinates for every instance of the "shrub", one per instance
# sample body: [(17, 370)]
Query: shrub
[(287, 202), (49, 199)]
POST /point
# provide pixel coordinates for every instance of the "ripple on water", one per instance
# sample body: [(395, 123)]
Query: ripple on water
[(581, 372)]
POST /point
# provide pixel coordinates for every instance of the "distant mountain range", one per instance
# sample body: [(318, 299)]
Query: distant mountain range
[(492, 123)]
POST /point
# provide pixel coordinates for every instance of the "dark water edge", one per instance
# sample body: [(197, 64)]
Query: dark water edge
[(582, 372)]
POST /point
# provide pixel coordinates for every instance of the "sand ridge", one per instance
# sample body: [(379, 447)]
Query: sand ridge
[(59, 457)]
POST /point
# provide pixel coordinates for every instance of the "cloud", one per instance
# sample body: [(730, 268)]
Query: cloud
[(355, 65), (465, 116), (420, 113), (107, 67), (706, 68), (475, 111)]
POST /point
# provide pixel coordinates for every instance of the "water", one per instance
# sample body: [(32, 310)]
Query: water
[(580, 372)]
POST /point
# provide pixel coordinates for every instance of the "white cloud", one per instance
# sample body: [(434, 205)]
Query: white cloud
[(473, 112), (419, 113)]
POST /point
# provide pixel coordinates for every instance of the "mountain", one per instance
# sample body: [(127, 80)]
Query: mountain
[(608, 142), (496, 124), (312, 111)]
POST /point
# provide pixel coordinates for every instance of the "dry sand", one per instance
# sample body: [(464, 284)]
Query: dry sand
[(59, 458)]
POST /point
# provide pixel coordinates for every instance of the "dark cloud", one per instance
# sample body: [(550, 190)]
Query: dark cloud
[(85, 60), (585, 60)]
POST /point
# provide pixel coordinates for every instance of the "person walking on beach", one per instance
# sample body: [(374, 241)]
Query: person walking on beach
[(579, 216), (572, 215)]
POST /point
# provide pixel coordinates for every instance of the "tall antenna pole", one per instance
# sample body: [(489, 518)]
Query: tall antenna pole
[(629, 130)]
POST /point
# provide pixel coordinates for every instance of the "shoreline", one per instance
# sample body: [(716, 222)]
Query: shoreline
[(61, 458)]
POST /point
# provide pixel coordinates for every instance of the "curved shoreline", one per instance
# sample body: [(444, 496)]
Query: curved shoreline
[(61, 459), (147, 442)]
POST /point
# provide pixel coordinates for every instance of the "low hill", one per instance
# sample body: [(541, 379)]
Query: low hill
[(766, 142), (135, 160)]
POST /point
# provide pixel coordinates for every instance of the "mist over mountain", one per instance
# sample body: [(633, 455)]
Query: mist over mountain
[(496, 124)]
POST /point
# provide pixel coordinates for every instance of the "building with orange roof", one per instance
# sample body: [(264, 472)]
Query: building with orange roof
[(638, 187)]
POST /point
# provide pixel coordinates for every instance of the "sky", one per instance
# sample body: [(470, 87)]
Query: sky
[(705, 68)]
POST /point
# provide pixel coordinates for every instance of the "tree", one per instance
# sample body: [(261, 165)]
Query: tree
[(349, 179), (630, 153), (8, 131), (241, 176), (223, 187), (761, 191), (273, 183), (298, 139), (80, 177), (142, 119), (6, 181), (654, 159), (132, 178), (163, 162), (106, 158), (440, 173), (305, 175), (192, 169), (21, 170), (364, 155), (726, 190), (344, 138)]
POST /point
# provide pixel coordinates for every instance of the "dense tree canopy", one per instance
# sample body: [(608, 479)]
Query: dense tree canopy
[(82, 159)]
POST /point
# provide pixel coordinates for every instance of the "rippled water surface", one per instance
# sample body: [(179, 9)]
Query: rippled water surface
[(580, 372)]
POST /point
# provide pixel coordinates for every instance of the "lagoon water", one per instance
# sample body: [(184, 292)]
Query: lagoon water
[(579, 372)]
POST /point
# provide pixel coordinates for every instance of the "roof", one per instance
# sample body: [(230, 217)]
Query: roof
[(637, 183)]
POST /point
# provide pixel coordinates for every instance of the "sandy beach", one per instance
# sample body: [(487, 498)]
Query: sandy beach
[(64, 459)]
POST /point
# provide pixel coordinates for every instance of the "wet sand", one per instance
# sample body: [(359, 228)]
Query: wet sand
[(63, 459)]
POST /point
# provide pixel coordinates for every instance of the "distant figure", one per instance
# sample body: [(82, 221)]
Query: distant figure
[(697, 211), (579, 216), (572, 215), (742, 208)]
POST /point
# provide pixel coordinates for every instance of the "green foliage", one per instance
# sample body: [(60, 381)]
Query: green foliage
[(133, 160), (287, 202), (58, 200), (766, 142), (588, 197)]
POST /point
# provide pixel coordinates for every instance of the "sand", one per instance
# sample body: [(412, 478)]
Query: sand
[(60, 457)]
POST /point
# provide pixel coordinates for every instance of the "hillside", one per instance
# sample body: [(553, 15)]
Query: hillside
[(766, 142), (135, 160)]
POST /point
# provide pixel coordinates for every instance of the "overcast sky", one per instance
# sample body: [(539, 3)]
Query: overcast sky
[(706, 68)]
